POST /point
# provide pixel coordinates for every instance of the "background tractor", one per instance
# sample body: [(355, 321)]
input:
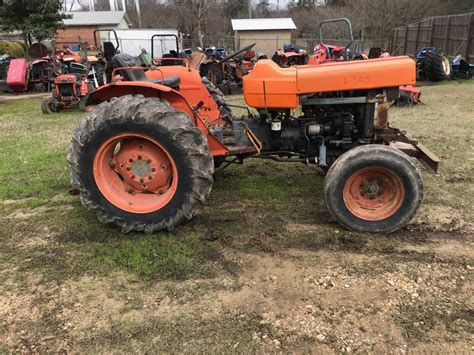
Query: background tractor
[(290, 55), (222, 69), (432, 64), (143, 159)]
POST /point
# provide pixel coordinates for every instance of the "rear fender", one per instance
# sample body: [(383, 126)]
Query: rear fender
[(109, 91)]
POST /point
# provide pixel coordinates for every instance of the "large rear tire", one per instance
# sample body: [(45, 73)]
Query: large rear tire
[(373, 188), (140, 164), (436, 66)]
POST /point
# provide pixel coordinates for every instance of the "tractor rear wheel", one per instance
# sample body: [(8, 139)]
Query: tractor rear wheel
[(373, 188), (436, 66), (217, 96), (140, 164)]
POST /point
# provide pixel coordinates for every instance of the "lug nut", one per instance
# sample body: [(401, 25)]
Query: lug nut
[(139, 157), (112, 164), (150, 177)]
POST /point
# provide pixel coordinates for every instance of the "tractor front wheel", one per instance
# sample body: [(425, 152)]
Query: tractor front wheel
[(46, 106), (373, 188), (140, 164)]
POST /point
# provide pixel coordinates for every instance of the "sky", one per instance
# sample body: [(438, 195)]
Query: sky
[(282, 3)]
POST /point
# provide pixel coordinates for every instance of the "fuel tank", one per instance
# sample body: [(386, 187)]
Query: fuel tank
[(269, 85)]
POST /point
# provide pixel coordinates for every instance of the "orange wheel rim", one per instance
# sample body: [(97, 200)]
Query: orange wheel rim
[(373, 193), (135, 173)]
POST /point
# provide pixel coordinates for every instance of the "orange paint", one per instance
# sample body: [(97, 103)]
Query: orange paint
[(283, 86), (175, 98), (140, 178), (373, 193)]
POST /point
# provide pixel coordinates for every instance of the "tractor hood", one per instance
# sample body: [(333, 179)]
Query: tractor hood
[(271, 86)]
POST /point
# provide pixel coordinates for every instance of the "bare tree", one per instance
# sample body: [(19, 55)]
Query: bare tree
[(193, 16)]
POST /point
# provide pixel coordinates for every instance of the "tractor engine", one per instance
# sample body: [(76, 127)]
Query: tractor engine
[(326, 128)]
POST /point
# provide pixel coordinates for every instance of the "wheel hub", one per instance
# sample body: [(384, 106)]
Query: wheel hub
[(373, 193), (371, 189), (142, 168)]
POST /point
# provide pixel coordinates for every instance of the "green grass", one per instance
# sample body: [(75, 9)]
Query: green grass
[(259, 208), (252, 207)]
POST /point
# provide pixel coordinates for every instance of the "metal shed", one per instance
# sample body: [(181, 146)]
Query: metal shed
[(269, 34)]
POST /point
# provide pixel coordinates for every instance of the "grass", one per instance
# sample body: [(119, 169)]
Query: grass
[(261, 198), (259, 208)]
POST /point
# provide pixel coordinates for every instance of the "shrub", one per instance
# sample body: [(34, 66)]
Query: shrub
[(4, 47), (15, 49)]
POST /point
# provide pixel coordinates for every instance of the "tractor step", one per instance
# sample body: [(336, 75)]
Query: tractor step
[(241, 149)]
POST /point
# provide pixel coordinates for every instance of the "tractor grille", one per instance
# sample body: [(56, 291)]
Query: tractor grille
[(66, 89)]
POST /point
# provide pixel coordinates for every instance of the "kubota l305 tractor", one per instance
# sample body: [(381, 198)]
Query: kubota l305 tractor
[(144, 157)]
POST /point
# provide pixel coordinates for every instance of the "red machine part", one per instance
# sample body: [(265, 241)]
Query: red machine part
[(17, 76), (410, 94), (65, 79)]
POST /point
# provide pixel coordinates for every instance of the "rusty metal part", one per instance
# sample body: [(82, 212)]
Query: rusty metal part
[(381, 116), (257, 144), (398, 139)]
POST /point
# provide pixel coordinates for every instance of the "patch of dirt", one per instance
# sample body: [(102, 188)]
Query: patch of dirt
[(23, 214), (16, 201), (330, 301), (9, 97), (442, 218)]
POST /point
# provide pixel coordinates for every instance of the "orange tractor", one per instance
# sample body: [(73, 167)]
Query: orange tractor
[(143, 159)]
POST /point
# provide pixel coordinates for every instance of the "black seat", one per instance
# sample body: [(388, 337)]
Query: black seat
[(126, 60), (109, 50)]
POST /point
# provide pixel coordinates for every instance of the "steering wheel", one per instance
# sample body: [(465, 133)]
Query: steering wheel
[(244, 50)]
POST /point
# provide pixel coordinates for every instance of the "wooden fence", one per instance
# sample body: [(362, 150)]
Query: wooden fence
[(453, 34)]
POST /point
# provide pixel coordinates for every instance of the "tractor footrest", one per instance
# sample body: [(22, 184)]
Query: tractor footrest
[(241, 149)]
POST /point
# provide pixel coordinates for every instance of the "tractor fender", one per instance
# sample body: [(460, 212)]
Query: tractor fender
[(148, 89)]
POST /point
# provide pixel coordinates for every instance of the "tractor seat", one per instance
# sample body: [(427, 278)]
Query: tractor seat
[(126, 60)]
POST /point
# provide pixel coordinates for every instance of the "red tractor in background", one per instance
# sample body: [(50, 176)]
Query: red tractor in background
[(225, 71), (76, 74), (69, 90), (69, 83), (290, 55), (143, 159), (326, 53)]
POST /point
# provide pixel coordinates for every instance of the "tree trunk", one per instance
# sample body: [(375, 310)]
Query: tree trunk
[(25, 39), (199, 24)]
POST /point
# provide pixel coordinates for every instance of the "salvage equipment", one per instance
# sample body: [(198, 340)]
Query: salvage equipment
[(143, 159)]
